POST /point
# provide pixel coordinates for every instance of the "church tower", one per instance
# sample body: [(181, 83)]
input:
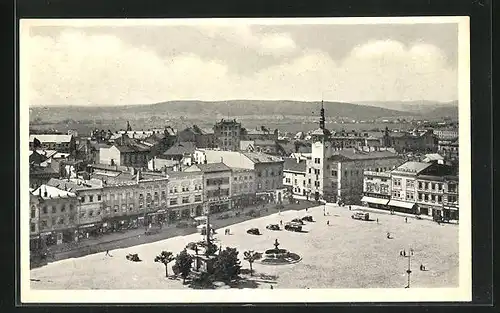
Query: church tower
[(318, 167)]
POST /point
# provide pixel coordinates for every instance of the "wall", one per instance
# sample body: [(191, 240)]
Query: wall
[(58, 214), (108, 154), (186, 187), (90, 209), (268, 176)]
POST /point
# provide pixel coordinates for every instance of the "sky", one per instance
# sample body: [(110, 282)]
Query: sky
[(140, 64)]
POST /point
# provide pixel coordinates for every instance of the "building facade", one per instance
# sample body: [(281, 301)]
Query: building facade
[(185, 195), (216, 185), (227, 135), (125, 155), (294, 176), (242, 187), (376, 189), (57, 218)]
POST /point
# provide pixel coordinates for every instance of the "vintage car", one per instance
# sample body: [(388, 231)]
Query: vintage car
[(273, 227), (307, 218), (298, 221), (361, 216), (253, 231), (290, 226)]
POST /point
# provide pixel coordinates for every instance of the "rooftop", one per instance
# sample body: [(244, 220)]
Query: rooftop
[(412, 167), (292, 165), (213, 167), (74, 184), (259, 157), (52, 138), (50, 192), (354, 154), (181, 148)]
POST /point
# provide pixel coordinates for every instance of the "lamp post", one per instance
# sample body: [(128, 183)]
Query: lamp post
[(408, 271)]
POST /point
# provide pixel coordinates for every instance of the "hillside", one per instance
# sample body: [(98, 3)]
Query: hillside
[(219, 109), (427, 109)]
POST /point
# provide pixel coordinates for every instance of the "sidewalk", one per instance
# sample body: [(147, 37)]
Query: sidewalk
[(135, 237)]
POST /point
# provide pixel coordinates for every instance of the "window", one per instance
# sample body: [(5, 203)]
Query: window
[(54, 209), (63, 208), (173, 201), (60, 221), (99, 198), (316, 171), (345, 173), (43, 224), (433, 198), (439, 199), (334, 173), (131, 207), (175, 189), (309, 181), (426, 197), (317, 160), (82, 199), (185, 199), (419, 185), (236, 178), (440, 187), (420, 196), (91, 198), (163, 195), (44, 209), (310, 170), (116, 209), (295, 182), (32, 227), (397, 182), (91, 213), (452, 199), (426, 185), (197, 198), (409, 183), (33, 212), (433, 186)]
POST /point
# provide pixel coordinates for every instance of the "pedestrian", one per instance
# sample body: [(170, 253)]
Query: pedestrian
[(107, 253), (328, 223), (349, 208), (400, 252), (388, 235), (306, 210), (377, 220), (406, 220), (272, 287), (421, 267), (404, 252), (281, 222)]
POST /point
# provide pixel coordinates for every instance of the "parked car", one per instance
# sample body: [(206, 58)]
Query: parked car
[(361, 216), (298, 221), (253, 231), (273, 227), (307, 218), (293, 226)]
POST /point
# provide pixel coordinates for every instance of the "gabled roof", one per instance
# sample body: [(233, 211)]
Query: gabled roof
[(74, 185), (181, 148), (291, 165), (52, 138)]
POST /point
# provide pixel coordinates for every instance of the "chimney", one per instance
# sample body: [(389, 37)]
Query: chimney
[(40, 192)]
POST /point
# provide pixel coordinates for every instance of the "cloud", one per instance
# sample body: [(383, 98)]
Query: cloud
[(275, 44), (76, 68)]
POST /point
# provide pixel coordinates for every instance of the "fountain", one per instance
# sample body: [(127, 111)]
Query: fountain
[(278, 256)]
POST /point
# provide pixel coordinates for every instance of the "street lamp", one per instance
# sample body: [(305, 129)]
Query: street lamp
[(408, 271)]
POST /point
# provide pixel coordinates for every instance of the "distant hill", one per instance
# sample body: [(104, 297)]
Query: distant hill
[(428, 109), (217, 109)]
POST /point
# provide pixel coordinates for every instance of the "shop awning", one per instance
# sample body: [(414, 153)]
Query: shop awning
[(374, 200), (401, 204)]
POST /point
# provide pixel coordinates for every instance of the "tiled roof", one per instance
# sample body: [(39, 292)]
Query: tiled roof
[(292, 165), (51, 138), (259, 157), (132, 147), (213, 167), (47, 153), (39, 170), (52, 192), (412, 167), (122, 179), (181, 148), (259, 142)]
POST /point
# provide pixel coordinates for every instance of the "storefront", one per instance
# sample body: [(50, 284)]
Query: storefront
[(121, 223), (376, 203), (402, 206), (88, 230), (450, 213)]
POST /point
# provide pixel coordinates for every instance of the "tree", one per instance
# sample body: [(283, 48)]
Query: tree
[(251, 256), (227, 265), (165, 257), (183, 262)]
